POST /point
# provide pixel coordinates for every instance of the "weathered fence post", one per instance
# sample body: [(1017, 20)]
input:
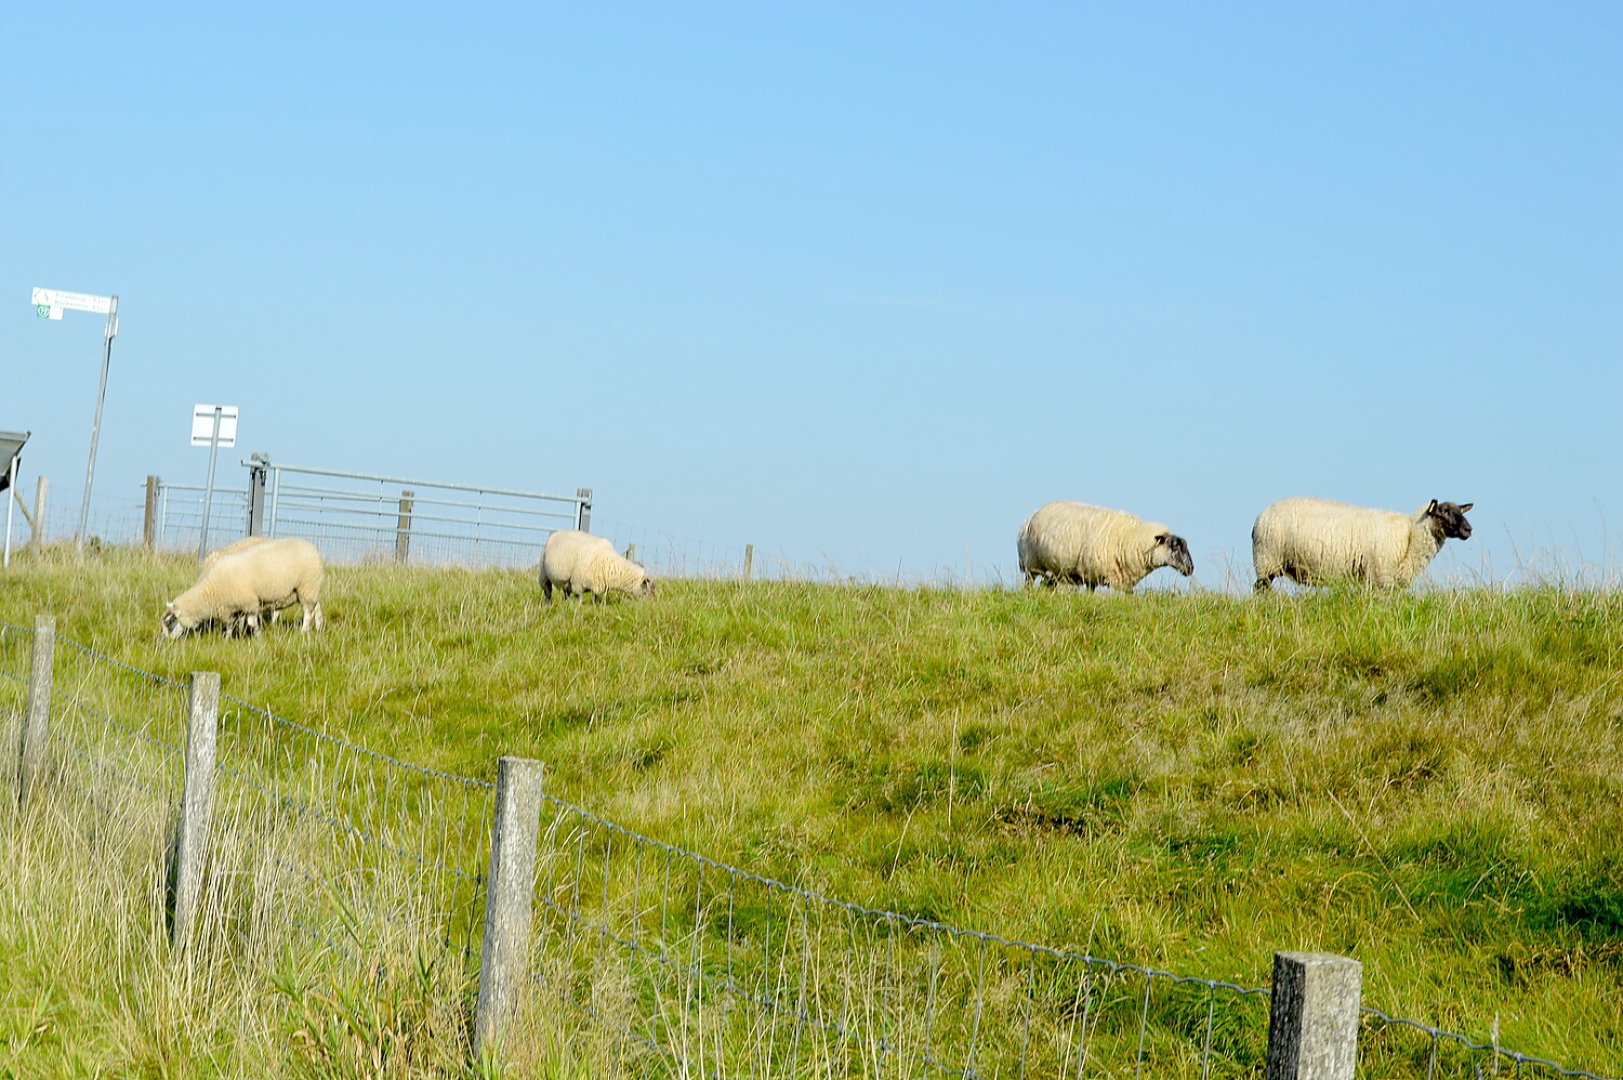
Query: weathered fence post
[(749, 560), (631, 552), (583, 509), (509, 894), (1313, 1021), (36, 524), (36, 726), (402, 528), (196, 805), (149, 520)]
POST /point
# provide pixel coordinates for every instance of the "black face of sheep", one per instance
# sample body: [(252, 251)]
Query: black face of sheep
[(1452, 518), (1177, 553)]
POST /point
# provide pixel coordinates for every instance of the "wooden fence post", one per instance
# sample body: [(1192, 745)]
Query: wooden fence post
[(149, 521), (749, 560), (509, 895), (36, 524), (402, 529), (197, 804), (36, 726), (1313, 1021)]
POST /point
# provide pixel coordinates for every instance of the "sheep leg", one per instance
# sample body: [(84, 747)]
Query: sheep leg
[(546, 590)]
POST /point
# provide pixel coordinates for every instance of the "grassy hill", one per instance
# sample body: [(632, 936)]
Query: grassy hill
[(1429, 782)]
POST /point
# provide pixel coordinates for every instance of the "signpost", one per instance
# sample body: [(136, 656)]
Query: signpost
[(50, 304), (213, 426)]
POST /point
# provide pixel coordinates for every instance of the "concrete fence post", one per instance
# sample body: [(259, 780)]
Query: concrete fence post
[(509, 894), (749, 560), (1313, 1021), (36, 726), (149, 520), (197, 804), (402, 529)]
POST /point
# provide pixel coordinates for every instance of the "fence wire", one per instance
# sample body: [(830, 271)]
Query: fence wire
[(352, 846), (697, 967), (727, 972)]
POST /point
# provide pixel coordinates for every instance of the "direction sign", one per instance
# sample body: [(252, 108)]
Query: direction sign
[(203, 425), (51, 303)]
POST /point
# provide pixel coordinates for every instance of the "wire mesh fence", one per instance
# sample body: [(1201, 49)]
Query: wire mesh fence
[(691, 966), (699, 965), (349, 845)]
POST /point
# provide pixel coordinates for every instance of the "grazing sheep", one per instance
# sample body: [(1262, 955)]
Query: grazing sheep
[(232, 548), (580, 563), (1312, 541), (1088, 545), (234, 589)]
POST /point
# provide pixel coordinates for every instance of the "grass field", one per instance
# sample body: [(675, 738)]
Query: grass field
[(1430, 782)]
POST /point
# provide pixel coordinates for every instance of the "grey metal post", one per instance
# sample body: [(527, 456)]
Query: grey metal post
[(749, 560), (583, 509), (1313, 1021), (149, 520), (402, 528), (276, 499), (509, 894), (208, 492), (631, 552), (11, 486), (36, 727), (95, 428), (197, 804), (256, 495)]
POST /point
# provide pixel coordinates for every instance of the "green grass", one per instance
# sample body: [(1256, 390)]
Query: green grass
[(1430, 782)]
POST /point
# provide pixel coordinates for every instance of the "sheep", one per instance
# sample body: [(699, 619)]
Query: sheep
[(580, 563), (1093, 545), (233, 589), (232, 548), (1313, 541)]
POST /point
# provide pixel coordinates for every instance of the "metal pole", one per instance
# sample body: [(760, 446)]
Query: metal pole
[(208, 492), (95, 428), (11, 486)]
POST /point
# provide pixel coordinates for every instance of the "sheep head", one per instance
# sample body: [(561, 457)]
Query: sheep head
[(1172, 550), (1451, 518)]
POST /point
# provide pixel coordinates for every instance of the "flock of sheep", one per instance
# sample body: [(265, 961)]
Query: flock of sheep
[(1310, 541)]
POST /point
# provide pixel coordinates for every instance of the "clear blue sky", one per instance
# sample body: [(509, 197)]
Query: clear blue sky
[(861, 284)]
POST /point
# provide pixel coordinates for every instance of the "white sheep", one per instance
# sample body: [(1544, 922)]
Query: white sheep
[(580, 563), (232, 548), (1088, 545), (233, 589), (1313, 541)]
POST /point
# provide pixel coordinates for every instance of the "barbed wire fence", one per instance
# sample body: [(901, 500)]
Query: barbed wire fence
[(691, 966)]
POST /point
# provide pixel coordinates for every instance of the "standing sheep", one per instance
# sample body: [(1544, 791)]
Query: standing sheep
[(1312, 541), (1088, 545), (233, 589), (580, 563)]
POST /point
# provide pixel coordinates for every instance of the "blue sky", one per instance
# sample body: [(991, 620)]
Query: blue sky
[(860, 284)]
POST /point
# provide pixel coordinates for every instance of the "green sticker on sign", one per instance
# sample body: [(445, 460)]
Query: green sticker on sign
[(42, 310)]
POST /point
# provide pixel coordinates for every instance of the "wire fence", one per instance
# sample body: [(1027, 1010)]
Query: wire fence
[(691, 966)]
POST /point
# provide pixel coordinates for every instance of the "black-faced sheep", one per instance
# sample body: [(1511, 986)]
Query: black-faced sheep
[(233, 589), (580, 563), (1314, 541), (1087, 545)]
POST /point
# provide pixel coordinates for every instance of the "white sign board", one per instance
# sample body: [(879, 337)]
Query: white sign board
[(51, 303), (203, 425)]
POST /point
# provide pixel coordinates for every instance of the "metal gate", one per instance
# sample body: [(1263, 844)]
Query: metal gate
[(364, 517)]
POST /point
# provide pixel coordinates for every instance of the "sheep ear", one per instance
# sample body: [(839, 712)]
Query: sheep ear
[(1431, 507), (1161, 538), (1466, 507)]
